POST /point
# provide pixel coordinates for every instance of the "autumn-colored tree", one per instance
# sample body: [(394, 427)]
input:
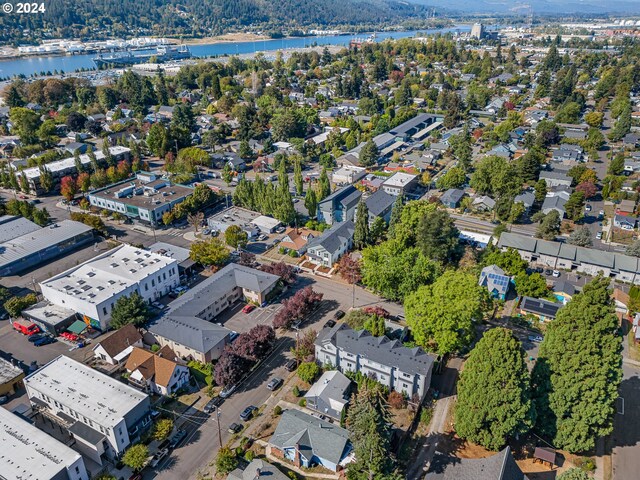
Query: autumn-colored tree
[(68, 187)]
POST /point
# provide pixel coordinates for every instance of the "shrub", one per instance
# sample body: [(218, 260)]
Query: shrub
[(295, 391), (586, 464), (303, 402), (226, 461), (162, 429), (155, 347), (249, 455), (277, 410), (396, 400), (425, 416)]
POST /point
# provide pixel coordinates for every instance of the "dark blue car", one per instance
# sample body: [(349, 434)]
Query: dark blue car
[(44, 341)]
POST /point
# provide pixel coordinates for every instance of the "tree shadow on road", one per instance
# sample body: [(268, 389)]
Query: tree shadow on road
[(627, 417)]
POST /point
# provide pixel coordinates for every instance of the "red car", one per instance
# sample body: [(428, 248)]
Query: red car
[(248, 308), (26, 328)]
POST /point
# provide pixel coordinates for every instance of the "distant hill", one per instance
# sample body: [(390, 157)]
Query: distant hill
[(202, 17), (539, 6)]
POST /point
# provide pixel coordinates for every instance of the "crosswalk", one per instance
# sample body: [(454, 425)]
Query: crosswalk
[(175, 233)]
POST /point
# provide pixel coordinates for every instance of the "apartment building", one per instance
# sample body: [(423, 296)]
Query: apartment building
[(405, 370)]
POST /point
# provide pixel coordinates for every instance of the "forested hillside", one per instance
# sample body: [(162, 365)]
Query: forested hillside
[(91, 18)]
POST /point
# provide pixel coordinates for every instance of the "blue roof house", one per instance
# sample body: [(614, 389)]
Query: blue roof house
[(495, 280)]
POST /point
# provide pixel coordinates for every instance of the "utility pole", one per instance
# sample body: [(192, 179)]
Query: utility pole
[(218, 413)]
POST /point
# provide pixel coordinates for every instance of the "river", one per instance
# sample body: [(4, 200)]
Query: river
[(71, 63)]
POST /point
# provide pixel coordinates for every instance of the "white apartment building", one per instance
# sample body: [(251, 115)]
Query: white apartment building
[(102, 414), (92, 288), (405, 370), (30, 453)]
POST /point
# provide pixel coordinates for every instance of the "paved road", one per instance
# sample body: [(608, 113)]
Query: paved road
[(626, 434)]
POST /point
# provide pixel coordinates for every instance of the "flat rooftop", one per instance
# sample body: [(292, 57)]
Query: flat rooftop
[(12, 227), (399, 179), (88, 392), (70, 162), (147, 195), (233, 216), (103, 276), (8, 371), (30, 453), (37, 240)]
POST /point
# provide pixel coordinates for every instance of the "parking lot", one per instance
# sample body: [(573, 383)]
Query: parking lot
[(235, 319)]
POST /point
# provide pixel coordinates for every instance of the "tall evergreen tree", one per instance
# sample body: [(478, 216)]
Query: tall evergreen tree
[(108, 158), (324, 187), (311, 202), (76, 160), (297, 177), (396, 215), (368, 422), (368, 155), (578, 371), (361, 234), (493, 392), (46, 179)]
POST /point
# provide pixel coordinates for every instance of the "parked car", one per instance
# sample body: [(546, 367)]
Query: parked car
[(247, 413), (587, 208), (36, 337), (275, 383), (226, 392), (535, 338), (338, 315), (248, 308), (214, 403), (46, 340), (599, 235), (548, 272), (330, 324), (234, 428), (158, 457), (157, 305), (233, 336), (556, 273), (601, 214), (206, 231), (291, 365), (177, 438), (3, 399)]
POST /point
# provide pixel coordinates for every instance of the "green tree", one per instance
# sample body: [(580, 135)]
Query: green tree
[(594, 119), (453, 178), (578, 371), (622, 126), (297, 177), (581, 237), (438, 237), (226, 461), (46, 179), (235, 237), (368, 423), (311, 202), (361, 234), (132, 309), (574, 207), (540, 190), (308, 372), (157, 139), (442, 316), (574, 474), (324, 187), (394, 271), (493, 402), (510, 260), (25, 124), (633, 249), (15, 305), (368, 156), (136, 457), (162, 429), (209, 252), (533, 285), (549, 226), (396, 214), (227, 173)]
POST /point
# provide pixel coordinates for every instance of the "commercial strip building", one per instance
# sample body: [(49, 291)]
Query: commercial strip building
[(10, 377), (102, 414), (92, 288), (24, 245), (30, 453), (563, 256), (143, 198), (405, 370), (67, 166)]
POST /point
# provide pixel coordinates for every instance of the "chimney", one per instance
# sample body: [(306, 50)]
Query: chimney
[(296, 458)]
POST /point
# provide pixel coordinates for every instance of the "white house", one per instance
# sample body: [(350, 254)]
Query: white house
[(331, 245), (162, 372)]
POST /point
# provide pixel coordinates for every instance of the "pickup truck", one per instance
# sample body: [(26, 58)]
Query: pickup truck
[(26, 328), (158, 457)]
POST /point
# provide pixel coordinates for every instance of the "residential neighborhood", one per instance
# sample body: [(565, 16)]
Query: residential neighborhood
[(411, 256)]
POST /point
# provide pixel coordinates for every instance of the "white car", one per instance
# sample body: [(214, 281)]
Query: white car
[(556, 273), (157, 458), (599, 235)]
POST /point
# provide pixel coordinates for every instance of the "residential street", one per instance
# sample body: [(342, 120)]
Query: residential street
[(626, 434)]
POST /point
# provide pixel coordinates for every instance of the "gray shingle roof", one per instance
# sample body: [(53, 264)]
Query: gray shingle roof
[(257, 469), (379, 202), (312, 436), (500, 466), (342, 195), (452, 195), (191, 332), (382, 350), (332, 239), (205, 293)]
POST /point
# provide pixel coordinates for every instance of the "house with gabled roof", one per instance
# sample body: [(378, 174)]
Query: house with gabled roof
[(162, 372), (307, 441), (405, 370), (340, 206), (327, 249), (118, 346), (495, 281), (500, 466)]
